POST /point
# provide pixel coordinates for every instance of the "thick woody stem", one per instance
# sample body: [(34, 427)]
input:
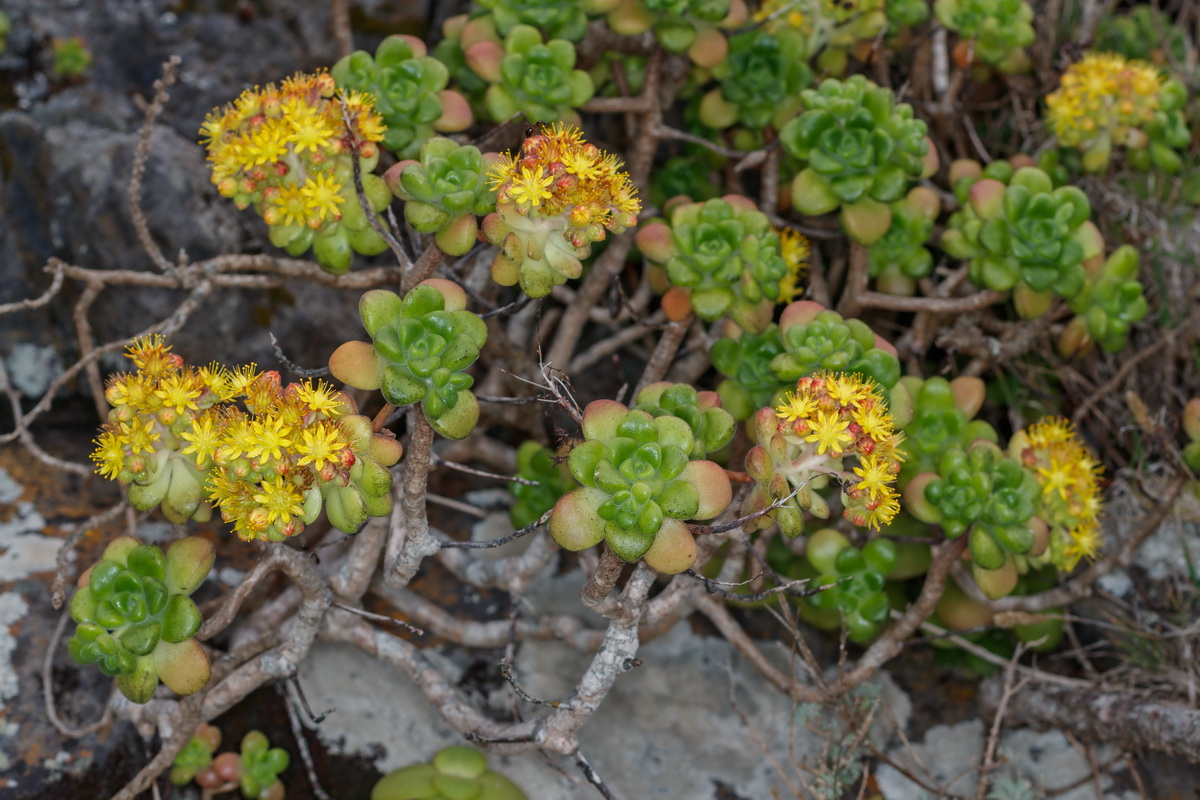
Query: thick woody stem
[(425, 266), (664, 353), (603, 579), (409, 543), (856, 281)]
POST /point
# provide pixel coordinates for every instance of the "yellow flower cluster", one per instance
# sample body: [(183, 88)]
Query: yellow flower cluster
[(1069, 476), (840, 415), (558, 174), (257, 447), (285, 149), (1104, 93), (794, 247)]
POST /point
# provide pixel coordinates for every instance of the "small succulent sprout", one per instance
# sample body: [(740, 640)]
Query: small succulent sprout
[(1105, 101), (1110, 302), (261, 766), (722, 258), (803, 445), (421, 345), (558, 19), (638, 487), (760, 81), (454, 773), (72, 58), (995, 31), (745, 361), (1068, 505), (856, 579), (410, 93), (558, 197), (1026, 236), (900, 257), (861, 151), (816, 338), (712, 426), (982, 492), (530, 76), (553, 480), (941, 419), (196, 756), (289, 151), (444, 191), (135, 619)]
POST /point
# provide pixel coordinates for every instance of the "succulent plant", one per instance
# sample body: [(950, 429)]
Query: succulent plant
[(1191, 427), (861, 151), (831, 29), (561, 195), (997, 31), (856, 579), (816, 338), (745, 360), (289, 151), (135, 619), (761, 80), (690, 26), (557, 19), (1105, 101), (540, 464), (458, 33), (1026, 236), (721, 257), (712, 426), (196, 755), (261, 766), (456, 773), (1145, 33), (941, 418), (529, 75), (982, 492), (444, 191), (638, 487), (802, 447), (1069, 504), (410, 92), (898, 259), (1109, 303), (421, 344)]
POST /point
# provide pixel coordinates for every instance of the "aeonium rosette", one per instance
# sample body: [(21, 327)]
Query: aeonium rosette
[(803, 446), (638, 488), (553, 201)]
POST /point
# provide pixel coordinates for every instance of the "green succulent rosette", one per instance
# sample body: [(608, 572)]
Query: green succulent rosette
[(745, 360), (410, 93), (898, 259), (1110, 302), (421, 345), (942, 413), (816, 338), (196, 755), (721, 257), (691, 26), (638, 487), (761, 80), (261, 765), (531, 76), (1026, 236), (982, 492), (557, 19), (458, 33), (998, 30), (712, 426), (905, 14), (856, 578), (1145, 33), (553, 480), (861, 151), (444, 192), (454, 774), (135, 618), (1167, 133)]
